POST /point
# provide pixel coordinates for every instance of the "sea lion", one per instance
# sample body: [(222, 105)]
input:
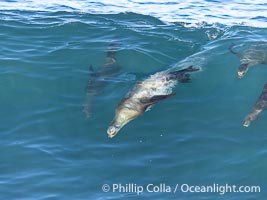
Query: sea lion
[(253, 55), (101, 77), (146, 93), (259, 106)]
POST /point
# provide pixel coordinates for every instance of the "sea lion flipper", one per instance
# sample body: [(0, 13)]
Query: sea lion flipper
[(185, 78), (181, 75), (156, 99), (231, 49), (191, 69), (91, 68), (92, 71), (183, 71)]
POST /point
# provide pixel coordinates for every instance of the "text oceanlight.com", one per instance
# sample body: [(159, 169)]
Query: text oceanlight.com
[(179, 188)]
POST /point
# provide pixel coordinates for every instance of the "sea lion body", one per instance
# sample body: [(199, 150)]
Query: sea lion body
[(259, 106), (146, 93), (254, 55), (101, 77)]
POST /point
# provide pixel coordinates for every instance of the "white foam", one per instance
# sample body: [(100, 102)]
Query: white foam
[(246, 12)]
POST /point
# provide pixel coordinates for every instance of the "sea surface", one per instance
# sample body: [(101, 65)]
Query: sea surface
[(49, 149)]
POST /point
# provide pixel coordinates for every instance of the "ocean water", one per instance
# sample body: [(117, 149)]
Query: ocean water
[(49, 149)]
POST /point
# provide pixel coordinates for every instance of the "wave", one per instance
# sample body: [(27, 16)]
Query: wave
[(247, 12)]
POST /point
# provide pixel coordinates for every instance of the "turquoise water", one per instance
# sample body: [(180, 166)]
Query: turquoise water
[(50, 150)]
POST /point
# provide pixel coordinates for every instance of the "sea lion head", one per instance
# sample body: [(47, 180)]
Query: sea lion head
[(247, 122), (252, 117), (242, 70), (113, 130), (122, 117)]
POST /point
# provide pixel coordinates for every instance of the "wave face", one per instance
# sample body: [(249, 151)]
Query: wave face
[(50, 150)]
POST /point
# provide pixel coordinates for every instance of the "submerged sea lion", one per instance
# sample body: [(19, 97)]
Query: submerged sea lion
[(259, 106), (254, 55), (100, 78), (146, 93)]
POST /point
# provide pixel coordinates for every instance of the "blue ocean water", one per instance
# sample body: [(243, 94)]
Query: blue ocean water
[(51, 150)]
